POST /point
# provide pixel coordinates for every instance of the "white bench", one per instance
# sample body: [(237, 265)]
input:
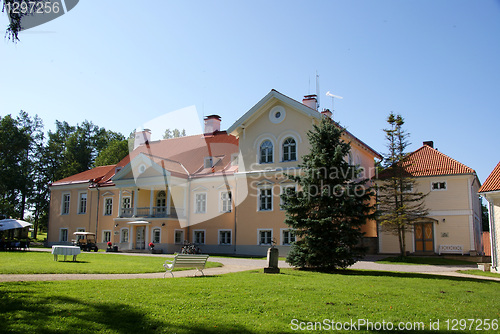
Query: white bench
[(451, 249), (186, 261)]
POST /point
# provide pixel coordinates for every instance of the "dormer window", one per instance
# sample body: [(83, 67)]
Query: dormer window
[(266, 152), (208, 162)]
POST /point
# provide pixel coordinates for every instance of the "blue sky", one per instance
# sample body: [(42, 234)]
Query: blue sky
[(121, 66)]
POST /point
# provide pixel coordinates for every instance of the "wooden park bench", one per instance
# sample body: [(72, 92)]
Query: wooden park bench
[(451, 249), (186, 261)]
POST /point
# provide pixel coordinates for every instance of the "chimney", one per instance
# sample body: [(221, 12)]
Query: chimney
[(311, 101), (327, 113), (142, 137), (212, 123), (429, 143)]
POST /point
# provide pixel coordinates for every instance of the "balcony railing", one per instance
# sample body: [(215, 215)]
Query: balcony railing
[(154, 212)]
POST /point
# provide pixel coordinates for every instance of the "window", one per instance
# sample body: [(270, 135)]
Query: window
[(179, 237), (266, 152), (124, 235), (438, 186), (208, 163), (288, 237), (156, 235), (199, 237), (63, 235), (283, 190), (289, 150), (80, 229), (106, 236), (265, 237), (225, 201), (126, 203), (161, 199), (108, 206), (225, 237), (266, 199), (201, 203), (82, 203), (65, 204), (407, 187)]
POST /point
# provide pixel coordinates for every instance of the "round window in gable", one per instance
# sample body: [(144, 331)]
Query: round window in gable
[(277, 114), (142, 168)]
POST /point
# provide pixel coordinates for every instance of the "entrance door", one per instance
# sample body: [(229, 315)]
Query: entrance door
[(139, 238), (424, 238)]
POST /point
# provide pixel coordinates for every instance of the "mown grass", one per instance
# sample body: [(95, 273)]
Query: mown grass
[(87, 263), (410, 260), (480, 273), (247, 302)]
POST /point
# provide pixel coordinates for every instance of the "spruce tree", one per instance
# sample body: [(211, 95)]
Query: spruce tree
[(331, 204), (400, 204)]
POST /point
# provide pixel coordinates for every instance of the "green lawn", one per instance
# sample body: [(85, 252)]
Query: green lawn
[(87, 263), (480, 273), (410, 260), (247, 302)]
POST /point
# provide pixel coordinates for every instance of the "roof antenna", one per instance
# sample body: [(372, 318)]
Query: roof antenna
[(317, 90), (333, 96)]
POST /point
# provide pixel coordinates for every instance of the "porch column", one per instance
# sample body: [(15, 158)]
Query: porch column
[(146, 237), (131, 237), (136, 198), (120, 199), (168, 200), (151, 198)]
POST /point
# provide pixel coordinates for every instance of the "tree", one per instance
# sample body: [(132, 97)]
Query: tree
[(484, 218), (331, 206), (400, 205), (175, 133), (113, 153)]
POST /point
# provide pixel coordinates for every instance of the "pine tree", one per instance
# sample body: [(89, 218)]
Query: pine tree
[(331, 205), (400, 205)]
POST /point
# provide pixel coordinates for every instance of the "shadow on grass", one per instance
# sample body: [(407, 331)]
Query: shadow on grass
[(61, 314), (379, 273)]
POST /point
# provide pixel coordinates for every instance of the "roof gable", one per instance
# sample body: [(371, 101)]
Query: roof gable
[(427, 161), (492, 183)]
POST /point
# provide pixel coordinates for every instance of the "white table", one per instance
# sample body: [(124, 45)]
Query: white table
[(65, 250)]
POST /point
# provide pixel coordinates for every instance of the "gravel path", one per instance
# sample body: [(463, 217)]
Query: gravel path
[(231, 265)]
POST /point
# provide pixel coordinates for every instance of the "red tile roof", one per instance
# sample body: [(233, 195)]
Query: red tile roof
[(92, 174), (492, 183), (183, 157), (427, 161)]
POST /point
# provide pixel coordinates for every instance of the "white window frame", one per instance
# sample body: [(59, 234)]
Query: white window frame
[(439, 183), (122, 240), (182, 237), (208, 162), (259, 198), (219, 239), (199, 209), (64, 202), (104, 235), (195, 232), (259, 231), (223, 202), (129, 202), (162, 198), (105, 206), (82, 209), (282, 191), (153, 235), (283, 149), (80, 229), (61, 234), (283, 231), (259, 153)]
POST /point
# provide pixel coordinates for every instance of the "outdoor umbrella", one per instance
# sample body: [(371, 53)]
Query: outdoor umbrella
[(9, 224)]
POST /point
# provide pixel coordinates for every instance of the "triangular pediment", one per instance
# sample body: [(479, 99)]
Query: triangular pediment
[(141, 167)]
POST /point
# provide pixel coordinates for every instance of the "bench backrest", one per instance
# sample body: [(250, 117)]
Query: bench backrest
[(188, 260)]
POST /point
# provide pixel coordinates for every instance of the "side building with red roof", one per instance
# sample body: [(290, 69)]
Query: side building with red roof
[(453, 224), (490, 190), (220, 190)]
